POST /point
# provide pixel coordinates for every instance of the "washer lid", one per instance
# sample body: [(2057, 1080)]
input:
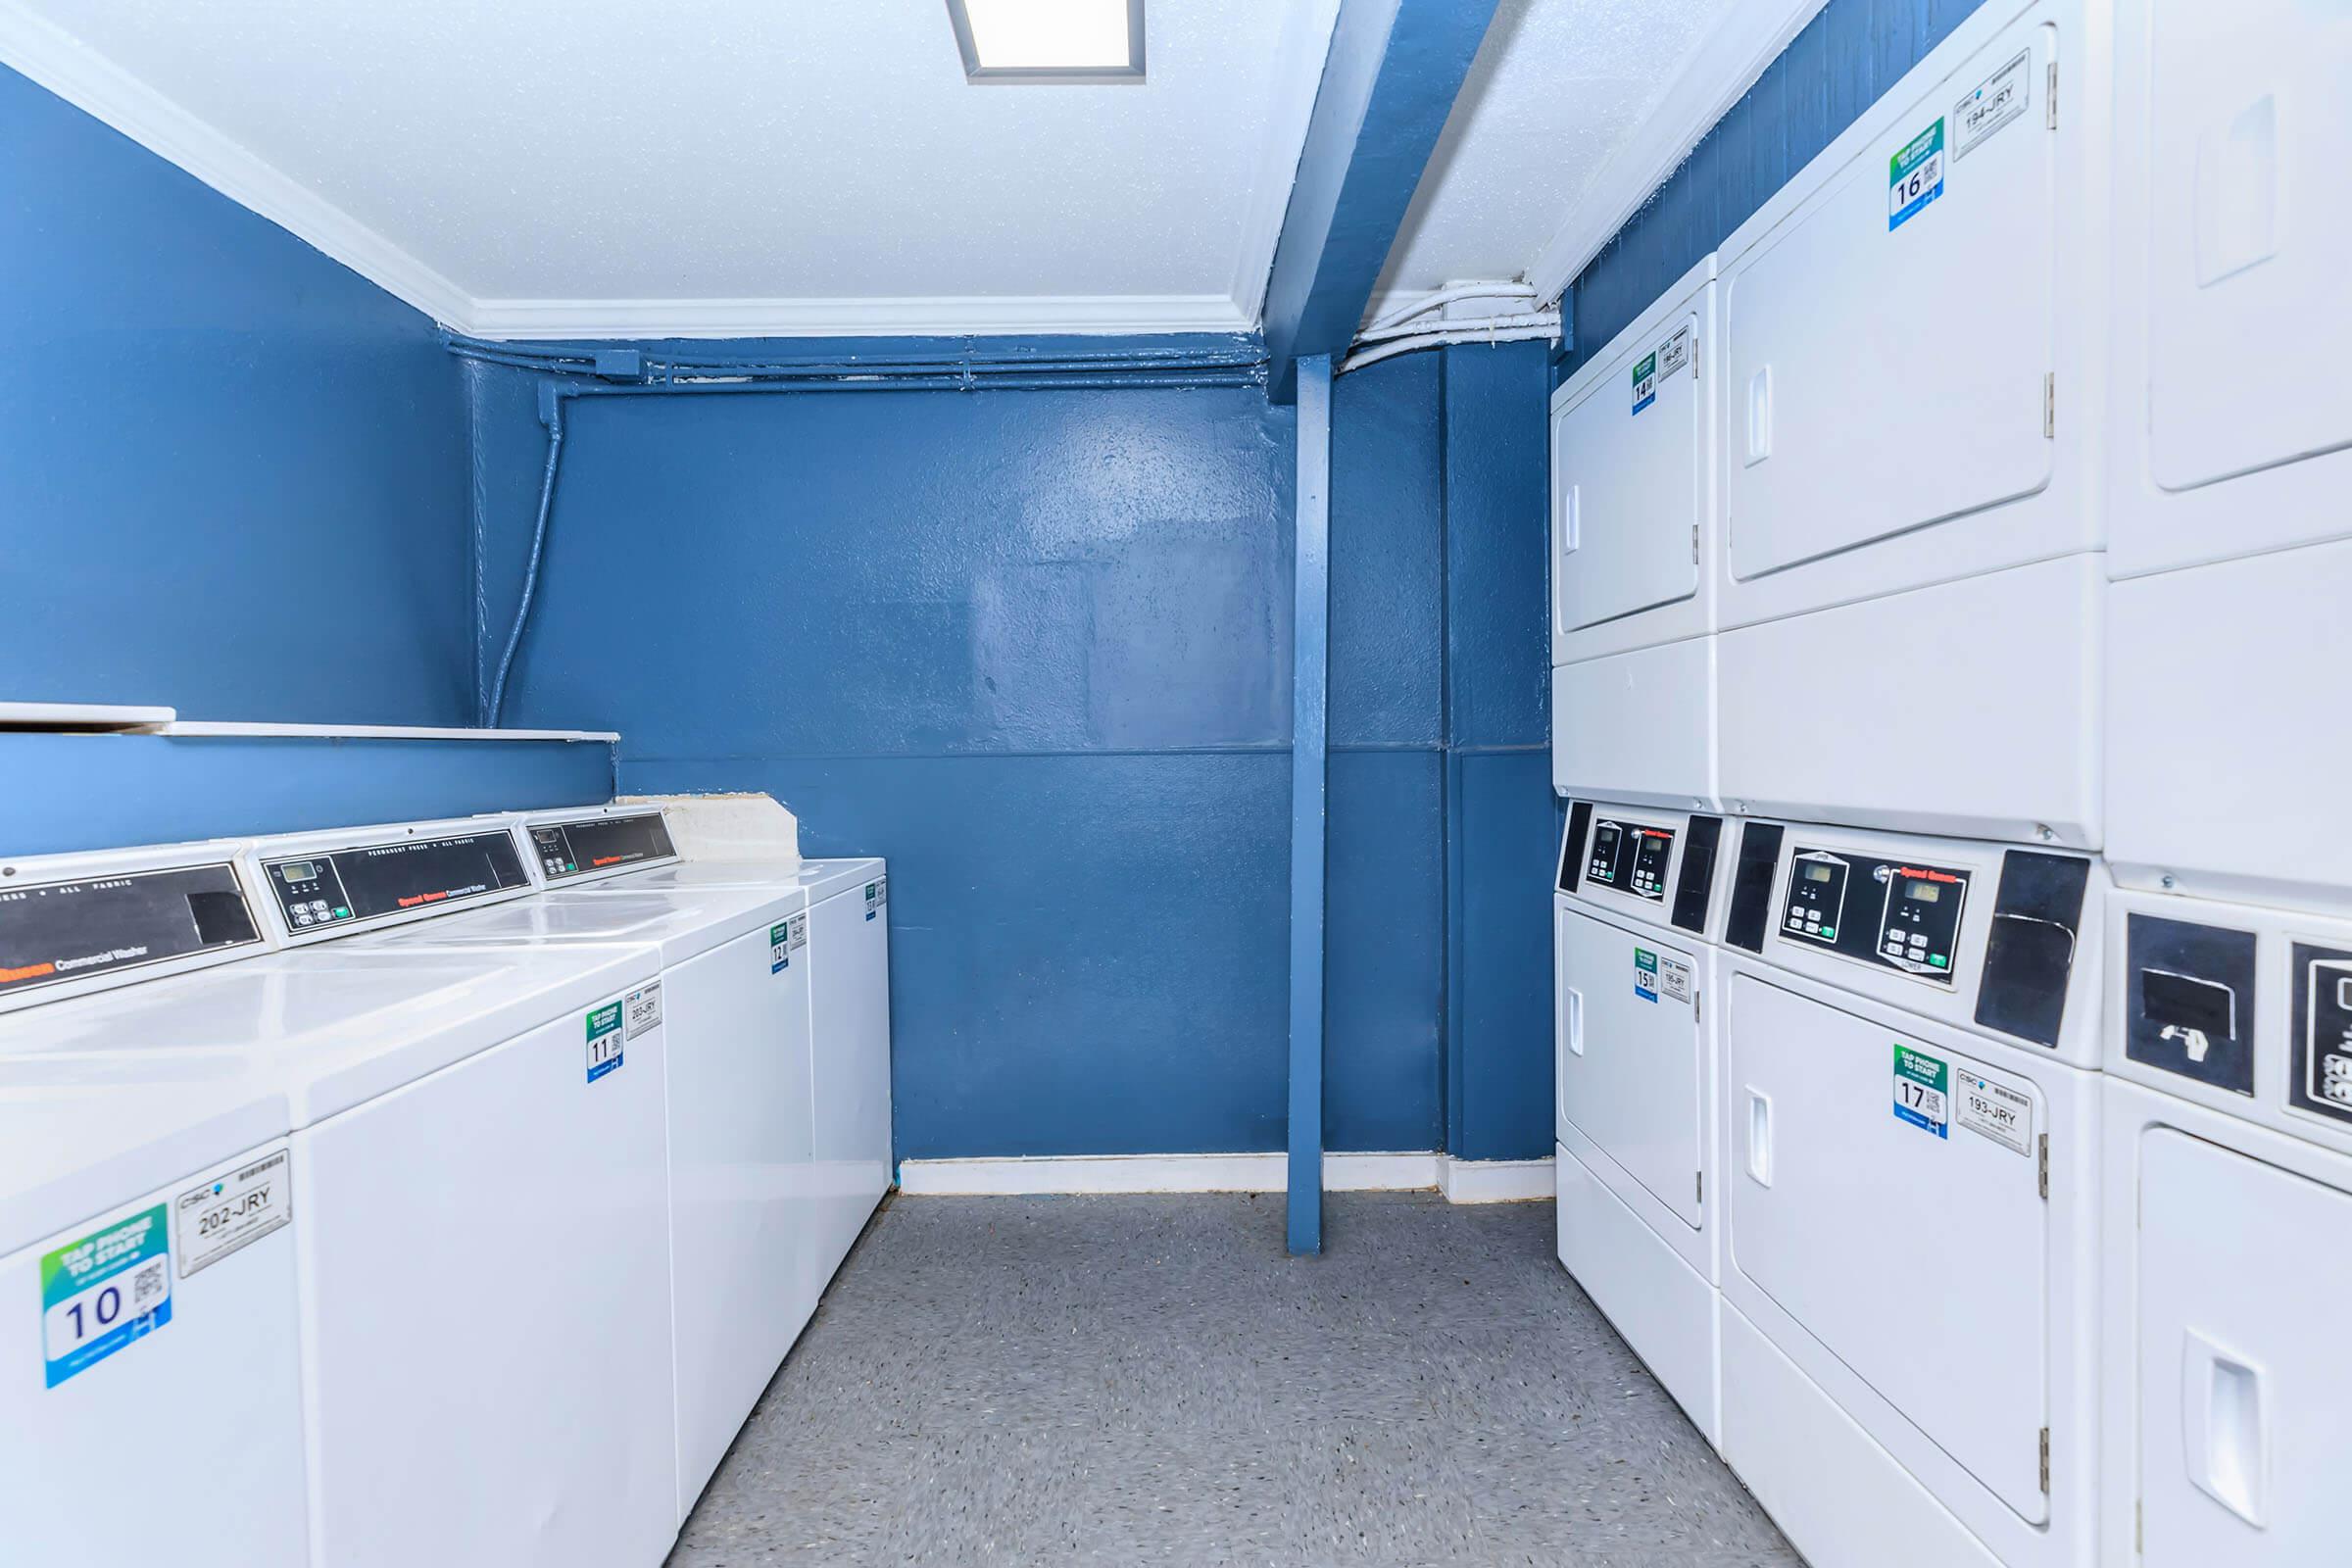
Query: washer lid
[(825, 878), (691, 874), (678, 924), (71, 1151), (331, 1027)]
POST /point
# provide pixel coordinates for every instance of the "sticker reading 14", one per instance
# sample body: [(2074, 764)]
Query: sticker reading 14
[(603, 1040), (1646, 381), (1915, 176), (106, 1292), (1923, 1091)]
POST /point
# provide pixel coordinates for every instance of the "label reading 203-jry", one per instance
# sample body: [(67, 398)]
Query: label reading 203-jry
[(105, 1291), (644, 1011), (603, 1040)]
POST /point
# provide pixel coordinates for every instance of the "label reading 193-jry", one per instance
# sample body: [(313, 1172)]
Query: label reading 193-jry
[(603, 1040)]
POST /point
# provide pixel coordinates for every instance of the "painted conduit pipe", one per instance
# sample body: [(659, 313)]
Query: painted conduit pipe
[(1434, 328), (1448, 296), (1157, 373), (1438, 341)]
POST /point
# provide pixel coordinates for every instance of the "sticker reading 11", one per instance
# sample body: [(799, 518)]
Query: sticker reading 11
[(1915, 176), (603, 1040)]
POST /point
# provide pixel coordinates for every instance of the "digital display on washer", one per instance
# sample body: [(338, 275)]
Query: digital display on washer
[(1899, 916), (351, 887), (53, 932), (569, 850)]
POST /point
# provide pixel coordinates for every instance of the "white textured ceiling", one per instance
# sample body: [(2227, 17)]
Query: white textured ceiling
[(746, 150), (1558, 89)]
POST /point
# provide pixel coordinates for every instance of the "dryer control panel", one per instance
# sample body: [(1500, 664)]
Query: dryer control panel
[(350, 887), (595, 846), (1903, 916), (2323, 1040), (1631, 857)]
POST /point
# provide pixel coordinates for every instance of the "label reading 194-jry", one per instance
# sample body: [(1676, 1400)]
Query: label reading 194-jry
[(603, 1040)]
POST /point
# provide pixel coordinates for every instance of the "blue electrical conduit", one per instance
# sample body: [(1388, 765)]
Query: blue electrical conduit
[(1135, 369)]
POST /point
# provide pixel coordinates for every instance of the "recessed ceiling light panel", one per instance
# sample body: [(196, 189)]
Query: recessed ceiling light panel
[(1050, 40)]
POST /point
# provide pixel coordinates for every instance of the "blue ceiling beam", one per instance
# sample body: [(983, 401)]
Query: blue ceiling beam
[(1394, 71)]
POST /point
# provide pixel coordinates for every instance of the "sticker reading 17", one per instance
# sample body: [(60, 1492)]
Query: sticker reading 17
[(1915, 176), (106, 1292), (1923, 1091), (603, 1040)]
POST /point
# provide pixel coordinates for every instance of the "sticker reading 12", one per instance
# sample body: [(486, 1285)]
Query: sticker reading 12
[(603, 1040), (1915, 176), (1923, 1091), (106, 1292)]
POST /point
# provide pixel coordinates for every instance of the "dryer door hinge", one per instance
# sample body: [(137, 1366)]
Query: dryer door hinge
[(1699, 1186), (2046, 1165), (1699, 1006), (2049, 97), (1694, 544), (2140, 1529), (2049, 406), (2045, 1461)]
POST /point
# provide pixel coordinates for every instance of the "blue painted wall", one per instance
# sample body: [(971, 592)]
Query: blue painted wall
[(1843, 59), (233, 479)]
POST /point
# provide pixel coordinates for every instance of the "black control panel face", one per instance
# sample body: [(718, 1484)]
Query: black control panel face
[(1631, 857), (351, 887), (53, 932), (1899, 915), (2322, 1041), (570, 850), (2188, 1000)]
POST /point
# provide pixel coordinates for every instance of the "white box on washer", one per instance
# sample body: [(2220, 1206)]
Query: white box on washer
[(1914, 365), (2233, 451), (1638, 903), (1635, 540)]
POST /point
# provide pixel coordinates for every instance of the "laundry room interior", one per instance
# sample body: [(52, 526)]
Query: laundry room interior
[(1193, 781)]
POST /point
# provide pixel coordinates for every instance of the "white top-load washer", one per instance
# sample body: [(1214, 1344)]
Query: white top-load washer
[(148, 1226), (1638, 908), (2231, 544), (477, 1154), (747, 1234), (1635, 533), (2229, 1234), (1914, 362), (842, 942), (1910, 1172)]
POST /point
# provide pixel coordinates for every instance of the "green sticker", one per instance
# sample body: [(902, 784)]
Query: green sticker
[(104, 1293), (1923, 1091), (1914, 175), (1645, 382), (603, 1040)]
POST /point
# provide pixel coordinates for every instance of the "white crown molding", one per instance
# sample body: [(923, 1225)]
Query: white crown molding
[(205, 727), (1462, 1181), (42, 51), (1724, 66), (1297, 77), (945, 316)]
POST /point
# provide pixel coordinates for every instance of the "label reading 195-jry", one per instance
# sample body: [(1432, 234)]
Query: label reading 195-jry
[(106, 1292), (603, 1040), (1923, 1091), (234, 1211), (1915, 176)]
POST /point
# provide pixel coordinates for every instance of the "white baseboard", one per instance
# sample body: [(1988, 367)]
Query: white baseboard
[(1462, 1181)]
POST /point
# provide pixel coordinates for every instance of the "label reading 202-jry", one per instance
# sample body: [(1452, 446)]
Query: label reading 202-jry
[(105, 1291), (234, 1211), (603, 1040)]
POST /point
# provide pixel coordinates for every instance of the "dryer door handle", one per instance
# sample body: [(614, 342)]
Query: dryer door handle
[(1574, 1018), (2220, 1426), (1759, 1136)]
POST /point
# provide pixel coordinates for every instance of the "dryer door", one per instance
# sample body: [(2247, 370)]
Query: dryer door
[(1630, 1063), (1911, 1246), (2243, 1272)]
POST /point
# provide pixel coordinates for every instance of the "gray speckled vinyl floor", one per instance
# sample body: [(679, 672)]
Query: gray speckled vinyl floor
[(1149, 1380)]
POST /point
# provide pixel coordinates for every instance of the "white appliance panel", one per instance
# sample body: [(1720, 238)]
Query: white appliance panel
[(849, 993), (1632, 1058), (1637, 727)]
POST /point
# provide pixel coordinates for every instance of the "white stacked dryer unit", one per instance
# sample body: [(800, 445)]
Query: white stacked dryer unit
[(154, 1406), (2231, 541), (841, 946), (1633, 560), (2228, 1234), (1638, 910), (1910, 1174), (1913, 360), (745, 1228)]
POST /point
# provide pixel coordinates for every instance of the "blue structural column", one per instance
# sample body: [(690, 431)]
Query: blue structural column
[(1309, 732)]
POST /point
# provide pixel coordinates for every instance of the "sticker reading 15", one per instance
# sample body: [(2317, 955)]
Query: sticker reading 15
[(1915, 176), (105, 1291), (1923, 1091), (603, 1040)]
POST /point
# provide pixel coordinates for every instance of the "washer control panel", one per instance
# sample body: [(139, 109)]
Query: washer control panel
[(595, 846), (2323, 1038), (1901, 916), (353, 887), (1631, 857), (53, 932)]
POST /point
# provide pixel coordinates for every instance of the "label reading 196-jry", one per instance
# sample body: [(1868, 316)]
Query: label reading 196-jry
[(105, 1291), (1915, 176), (603, 1040), (234, 1211), (1923, 1091)]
